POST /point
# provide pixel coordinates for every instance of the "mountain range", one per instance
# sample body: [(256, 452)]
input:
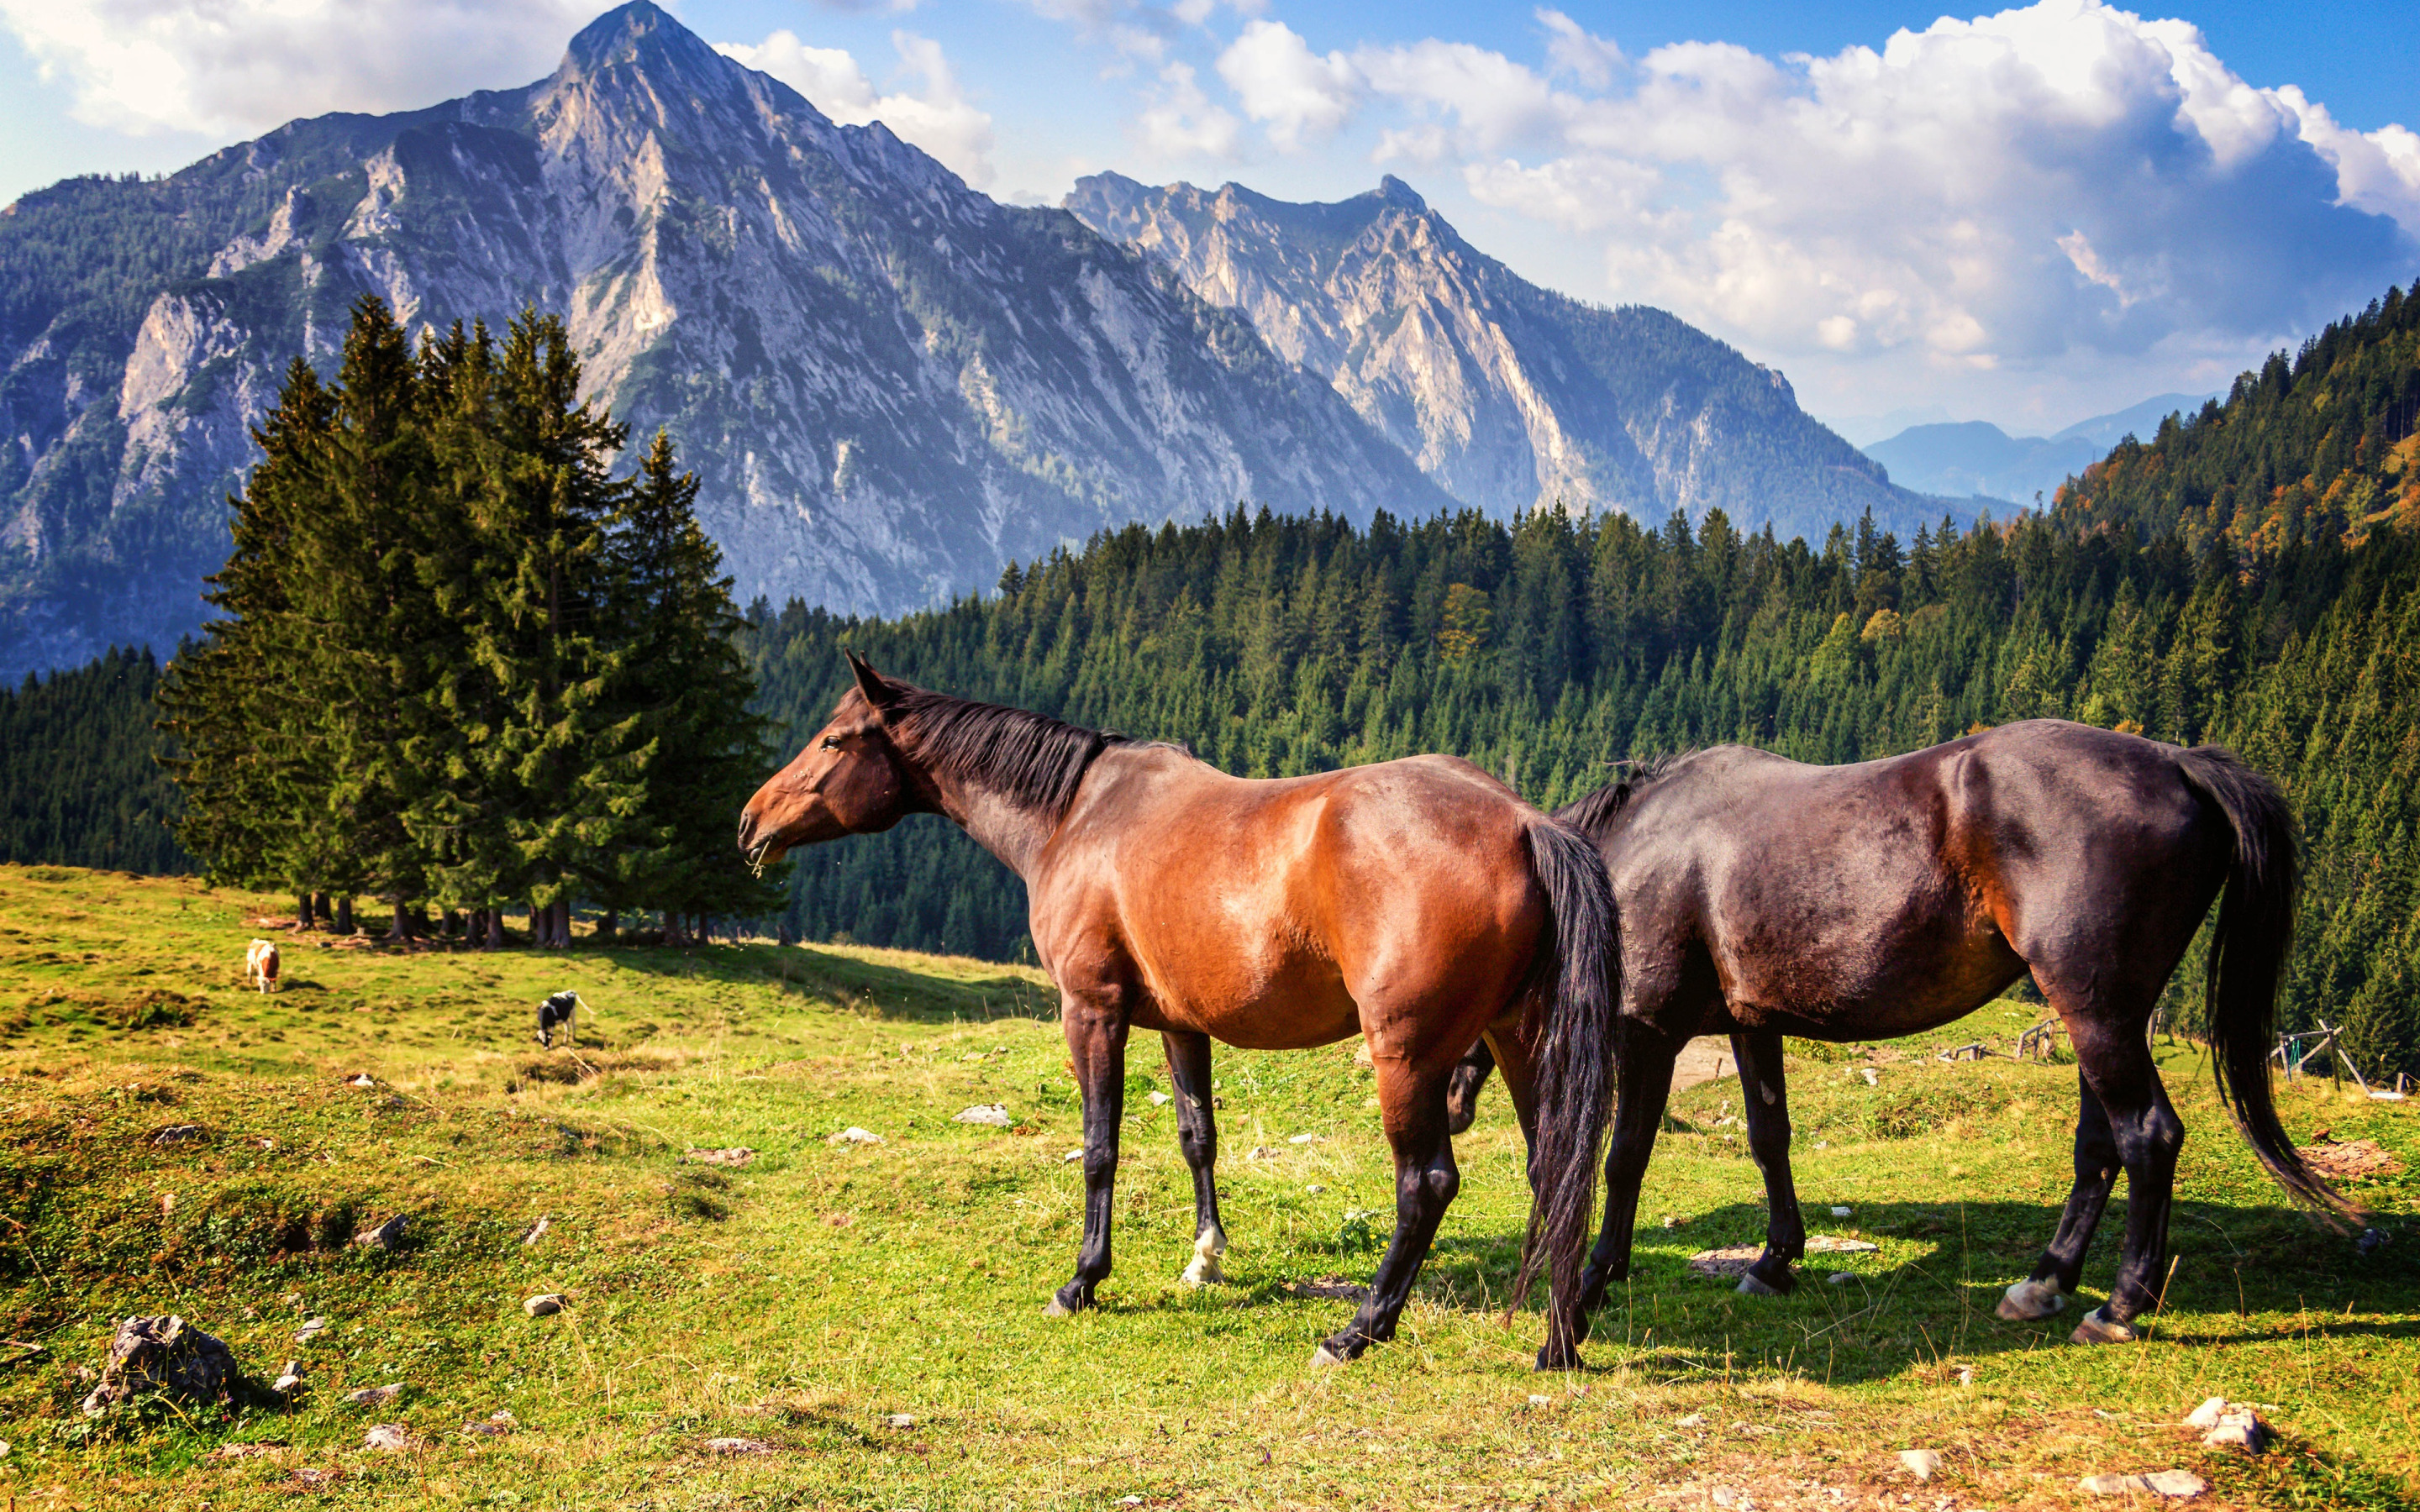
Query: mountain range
[(889, 383), (1977, 460)]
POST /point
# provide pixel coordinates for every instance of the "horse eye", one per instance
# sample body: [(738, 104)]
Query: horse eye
[(831, 742)]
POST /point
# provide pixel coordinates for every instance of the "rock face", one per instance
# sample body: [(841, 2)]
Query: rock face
[(1507, 395), (888, 384), (164, 1355)]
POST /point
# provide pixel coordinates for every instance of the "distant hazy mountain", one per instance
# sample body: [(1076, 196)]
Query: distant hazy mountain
[(1509, 395), (890, 384), (1978, 458)]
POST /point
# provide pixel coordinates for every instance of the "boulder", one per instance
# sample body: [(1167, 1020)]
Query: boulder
[(164, 1355), (375, 1396), (394, 1438), (540, 1306), (991, 1116), (387, 1236)]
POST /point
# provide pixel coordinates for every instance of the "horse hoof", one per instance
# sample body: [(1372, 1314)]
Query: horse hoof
[(1200, 1274), (2030, 1300), (1750, 1286), (2099, 1328), (1549, 1360), (1056, 1308), (1324, 1358)]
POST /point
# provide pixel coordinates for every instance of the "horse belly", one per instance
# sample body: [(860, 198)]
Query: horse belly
[(1254, 1000), (1914, 958)]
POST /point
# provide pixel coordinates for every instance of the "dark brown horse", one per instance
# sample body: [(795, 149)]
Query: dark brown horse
[(1416, 903), (1759, 898)]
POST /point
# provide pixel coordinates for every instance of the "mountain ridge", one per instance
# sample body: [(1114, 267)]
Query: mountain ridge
[(1508, 394)]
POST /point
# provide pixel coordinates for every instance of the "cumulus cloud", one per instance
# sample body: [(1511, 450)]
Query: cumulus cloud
[(2066, 177), (937, 116), (1180, 121), (1298, 95), (228, 66)]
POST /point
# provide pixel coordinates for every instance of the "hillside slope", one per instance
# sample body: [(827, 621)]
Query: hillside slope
[(891, 384), (1509, 395)]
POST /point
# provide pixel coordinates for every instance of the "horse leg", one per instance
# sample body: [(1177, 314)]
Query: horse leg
[(1643, 1084), (1096, 1043), (1461, 1092), (1426, 1180), (1759, 1054), (1197, 1135), (1520, 1082), (2116, 1060), (2061, 1265)]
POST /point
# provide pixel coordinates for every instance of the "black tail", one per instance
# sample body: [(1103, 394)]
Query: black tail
[(2255, 926), (1572, 1014)]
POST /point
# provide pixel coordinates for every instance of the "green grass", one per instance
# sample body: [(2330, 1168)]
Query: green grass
[(806, 1298)]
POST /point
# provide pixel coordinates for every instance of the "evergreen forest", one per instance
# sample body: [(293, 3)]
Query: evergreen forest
[(461, 663), (2249, 576), (80, 779)]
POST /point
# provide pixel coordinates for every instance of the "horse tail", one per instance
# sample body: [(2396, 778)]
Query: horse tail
[(2256, 926), (1577, 977)]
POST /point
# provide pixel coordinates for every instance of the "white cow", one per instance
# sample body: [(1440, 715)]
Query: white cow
[(260, 964)]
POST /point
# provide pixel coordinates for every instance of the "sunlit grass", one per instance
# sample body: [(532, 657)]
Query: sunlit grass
[(809, 1297)]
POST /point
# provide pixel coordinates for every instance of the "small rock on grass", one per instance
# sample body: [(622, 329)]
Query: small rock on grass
[(386, 1236), (535, 1231), (2175, 1483), (1694, 1420), (1922, 1463), (310, 1330), (375, 1396), (736, 1155), (245, 1451), (495, 1425), (1840, 1278), (2226, 1424), (542, 1306), (162, 1354), (854, 1136), (289, 1381), (1159, 1100), (990, 1115), (392, 1437), (738, 1446), (901, 1420)]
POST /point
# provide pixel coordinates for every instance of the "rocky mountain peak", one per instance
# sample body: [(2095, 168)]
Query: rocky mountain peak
[(643, 37)]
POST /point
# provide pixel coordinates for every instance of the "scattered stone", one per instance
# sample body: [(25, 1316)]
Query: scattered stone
[(1263, 1152), (1729, 1496), (854, 1136), (1873, 1077), (737, 1156), (1129, 1501), (1314, 1189), (2226, 1424), (311, 1329), (1160, 1100), (901, 1420), (311, 1478), (161, 1354), (542, 1306), (178, 1133), (387, 1236), (1732, 1260), (375, 1396), (1671, 1222), (289, 1381), (738, 1446), (989, 1114), (1965, 1375), (1922, 1463), (535, 1232), (1840, 1212), (1304, 1139), (1694, 1420), (495, 1425), (1073, 1154), (1327, 1288), (392, 1437), (364, 1079), (247, 1451), (2368, 1242), (2177, 1483), (1840, 1278)]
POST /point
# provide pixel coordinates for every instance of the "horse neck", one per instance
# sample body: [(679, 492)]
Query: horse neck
[(1012, 829)]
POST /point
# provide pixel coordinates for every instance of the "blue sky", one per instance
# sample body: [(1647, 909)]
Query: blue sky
[(2027, 215)]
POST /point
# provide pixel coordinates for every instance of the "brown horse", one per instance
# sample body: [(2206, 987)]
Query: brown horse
[(1416, 903), (1759, 897)]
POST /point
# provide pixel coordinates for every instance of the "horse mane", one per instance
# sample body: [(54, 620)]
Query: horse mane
[(1038, 760), (1597, 811)]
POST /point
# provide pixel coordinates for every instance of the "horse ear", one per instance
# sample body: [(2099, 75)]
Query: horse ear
[(870, 683)]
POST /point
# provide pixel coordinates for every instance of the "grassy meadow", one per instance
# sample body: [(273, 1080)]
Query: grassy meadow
[(869, 1316)]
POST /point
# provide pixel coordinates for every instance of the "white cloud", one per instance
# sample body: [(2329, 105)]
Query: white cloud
[(228, 66), (1298, 96), (1180, 121), (938, 117), (2013, 189)]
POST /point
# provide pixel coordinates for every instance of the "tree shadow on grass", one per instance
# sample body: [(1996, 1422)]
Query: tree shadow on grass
[(889, 992), (1925, 1299)]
